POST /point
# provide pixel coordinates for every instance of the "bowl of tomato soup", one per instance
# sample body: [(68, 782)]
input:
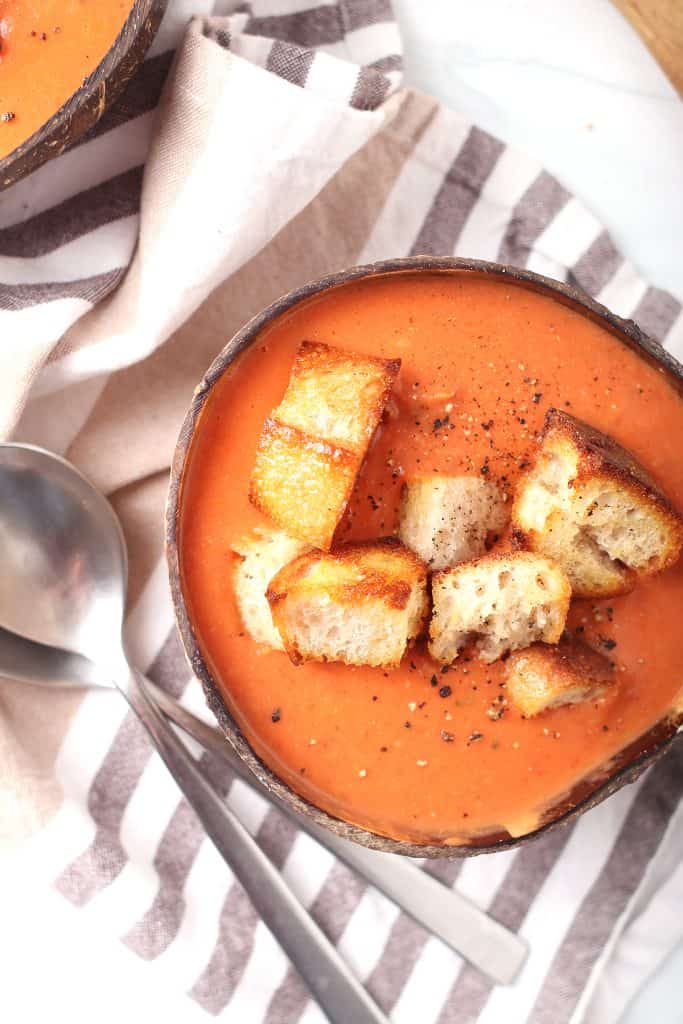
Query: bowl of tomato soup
[(412, 759), (62, 63)]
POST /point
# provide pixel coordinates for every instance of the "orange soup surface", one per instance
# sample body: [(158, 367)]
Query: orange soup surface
[(413, 752), (47, 49)]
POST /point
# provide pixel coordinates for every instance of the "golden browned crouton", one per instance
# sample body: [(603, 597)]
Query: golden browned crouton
[(337, 396), (499, 603), (361, 604), (302, 483), (262, 554), (543, 676), (313, 445), (587, 503), (448, 519)]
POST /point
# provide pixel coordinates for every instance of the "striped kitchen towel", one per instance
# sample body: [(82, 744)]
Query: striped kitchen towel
[(277, 146)]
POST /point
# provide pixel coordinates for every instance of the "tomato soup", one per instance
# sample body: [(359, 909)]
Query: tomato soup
[(421, 752), (47, 49)]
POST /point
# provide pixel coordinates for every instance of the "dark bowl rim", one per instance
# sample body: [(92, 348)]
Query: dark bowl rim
[(626, 330), (56, 134)]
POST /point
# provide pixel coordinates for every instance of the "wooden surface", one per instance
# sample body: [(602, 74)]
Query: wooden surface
[(660, 24)]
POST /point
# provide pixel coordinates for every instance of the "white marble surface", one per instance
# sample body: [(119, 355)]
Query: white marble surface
[(570, 83)]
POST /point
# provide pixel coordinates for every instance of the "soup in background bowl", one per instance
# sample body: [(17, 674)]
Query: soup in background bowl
[(62, 63), (415, 759)]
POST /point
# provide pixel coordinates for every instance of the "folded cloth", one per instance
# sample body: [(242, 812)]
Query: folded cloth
[(276, 147)]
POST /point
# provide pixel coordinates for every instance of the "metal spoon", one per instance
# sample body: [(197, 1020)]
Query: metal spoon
[(63, 583), (469, 931)]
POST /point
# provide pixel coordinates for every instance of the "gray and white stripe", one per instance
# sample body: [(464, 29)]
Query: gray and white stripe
[(62, 208)]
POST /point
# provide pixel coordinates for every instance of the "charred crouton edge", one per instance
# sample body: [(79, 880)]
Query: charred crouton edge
[(499, 603), (313, 445), (360, 604), (590, 505), (544, 677)]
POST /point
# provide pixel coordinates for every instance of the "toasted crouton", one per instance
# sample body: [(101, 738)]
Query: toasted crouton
[(587, 503), (361, 604), (448, 519), (543, 677), (313, 445), (262, 555), (337, 396), (499, 602), (302, 483)]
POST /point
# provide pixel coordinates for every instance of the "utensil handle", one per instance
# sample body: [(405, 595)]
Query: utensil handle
[(491, 947), (495, 950), (339, 994), (25, 659)]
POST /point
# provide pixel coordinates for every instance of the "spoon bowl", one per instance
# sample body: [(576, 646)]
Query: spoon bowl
[(63, 584), (61, 539)]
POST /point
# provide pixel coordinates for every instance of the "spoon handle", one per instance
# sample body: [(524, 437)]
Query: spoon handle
[(338, 993), (493, 949)]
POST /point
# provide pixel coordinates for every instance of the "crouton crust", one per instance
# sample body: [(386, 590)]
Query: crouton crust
[(291, 465), (601, 455), (360, 603), (337, 395), (313, 444), (545, 676), (388, 571), (588, 503)]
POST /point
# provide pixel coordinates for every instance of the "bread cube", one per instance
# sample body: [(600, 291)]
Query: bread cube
[(313, 445), (544, 677), (448, 519), (590, 505), (337, 396), (499, 603), (261, 555), (360, 604), (301, 483)]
